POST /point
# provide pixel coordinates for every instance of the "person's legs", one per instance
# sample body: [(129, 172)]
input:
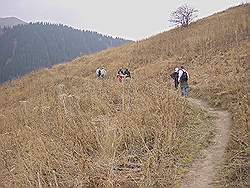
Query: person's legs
[(186, 91), (182, 87), (176, 85), (182, 91)]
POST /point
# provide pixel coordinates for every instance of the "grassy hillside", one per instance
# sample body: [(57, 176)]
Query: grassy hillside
[(63, 127)]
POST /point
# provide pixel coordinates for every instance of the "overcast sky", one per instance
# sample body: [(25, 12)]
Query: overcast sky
[(132, 19)]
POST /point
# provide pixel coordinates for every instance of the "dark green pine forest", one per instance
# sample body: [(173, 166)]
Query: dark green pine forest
[(24, 48)]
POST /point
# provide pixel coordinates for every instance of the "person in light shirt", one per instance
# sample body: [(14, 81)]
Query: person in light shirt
[(100, 72), (183, 80)]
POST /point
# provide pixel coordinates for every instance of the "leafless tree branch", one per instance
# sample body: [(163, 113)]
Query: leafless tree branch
[(183, 16)]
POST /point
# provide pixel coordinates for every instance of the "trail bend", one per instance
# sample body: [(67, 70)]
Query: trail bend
[(203, 169)]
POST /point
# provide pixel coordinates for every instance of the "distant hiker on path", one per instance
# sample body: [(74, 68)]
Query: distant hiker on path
[(100, 72), (175, 76), (183, 80), (123, 74)]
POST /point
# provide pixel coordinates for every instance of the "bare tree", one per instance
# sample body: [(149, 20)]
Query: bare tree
[(183, 16)]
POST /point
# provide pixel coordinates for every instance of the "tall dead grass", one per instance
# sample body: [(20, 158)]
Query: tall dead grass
[(102, 134), (62, 127)]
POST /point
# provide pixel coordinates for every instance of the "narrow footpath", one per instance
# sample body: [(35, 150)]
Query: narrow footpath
[(203, 170)]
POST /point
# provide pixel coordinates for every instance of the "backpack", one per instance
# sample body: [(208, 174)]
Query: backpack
[(184, 76)]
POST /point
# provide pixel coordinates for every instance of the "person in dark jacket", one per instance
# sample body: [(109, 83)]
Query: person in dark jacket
[(175, 76), (123, 74)]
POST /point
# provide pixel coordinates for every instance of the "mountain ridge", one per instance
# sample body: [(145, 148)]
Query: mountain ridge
[(10, 22)]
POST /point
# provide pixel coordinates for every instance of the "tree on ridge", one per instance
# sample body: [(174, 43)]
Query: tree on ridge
[(183, 16)]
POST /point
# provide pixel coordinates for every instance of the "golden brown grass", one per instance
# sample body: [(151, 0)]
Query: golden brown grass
[(62, 127), (99, 133)]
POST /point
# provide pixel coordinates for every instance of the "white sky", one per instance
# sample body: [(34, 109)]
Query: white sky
[(131, 19)]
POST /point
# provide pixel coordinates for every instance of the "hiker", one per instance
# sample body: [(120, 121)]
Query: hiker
[(123, 74), (175, 76), (100, 72), (183, 80), (120, 75)]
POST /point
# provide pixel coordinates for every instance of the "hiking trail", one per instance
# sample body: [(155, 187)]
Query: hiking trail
[(203, 169)]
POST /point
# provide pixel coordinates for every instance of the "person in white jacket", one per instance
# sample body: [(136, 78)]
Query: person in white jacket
[(183, 80), (100, 72)]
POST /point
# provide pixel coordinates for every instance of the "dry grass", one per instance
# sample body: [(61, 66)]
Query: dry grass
[(228, 75), (62, 127), (101, 134)]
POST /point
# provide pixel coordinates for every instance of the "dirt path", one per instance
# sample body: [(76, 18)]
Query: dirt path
[(203, 170)]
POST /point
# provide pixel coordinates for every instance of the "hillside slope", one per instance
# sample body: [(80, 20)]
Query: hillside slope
[(63, 127), (25, 48)]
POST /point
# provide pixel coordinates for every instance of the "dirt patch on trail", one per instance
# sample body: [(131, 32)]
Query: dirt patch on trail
[(203, 170)]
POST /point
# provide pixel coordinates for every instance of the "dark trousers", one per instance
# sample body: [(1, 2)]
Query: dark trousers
[(176, 83)]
